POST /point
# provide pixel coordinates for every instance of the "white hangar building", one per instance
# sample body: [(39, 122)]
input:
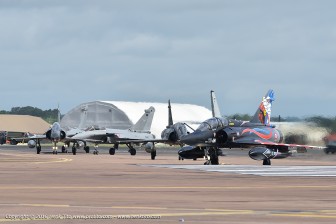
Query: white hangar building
[(122, 115)]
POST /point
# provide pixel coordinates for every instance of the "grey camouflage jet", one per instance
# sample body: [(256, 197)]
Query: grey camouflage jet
[(138, 134)]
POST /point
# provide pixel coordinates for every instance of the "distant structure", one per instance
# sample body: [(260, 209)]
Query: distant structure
[(122, 115), (23, 123)]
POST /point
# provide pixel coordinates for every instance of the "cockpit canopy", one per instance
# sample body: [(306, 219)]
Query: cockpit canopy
[(214, 123)]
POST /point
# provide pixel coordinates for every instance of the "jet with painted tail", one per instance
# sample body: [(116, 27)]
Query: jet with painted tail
[(258, 134)]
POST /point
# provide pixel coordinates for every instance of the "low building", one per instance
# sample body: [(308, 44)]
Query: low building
[(23, 123), (17, 126)]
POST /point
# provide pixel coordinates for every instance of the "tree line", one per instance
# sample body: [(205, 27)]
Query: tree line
[(49, 116)]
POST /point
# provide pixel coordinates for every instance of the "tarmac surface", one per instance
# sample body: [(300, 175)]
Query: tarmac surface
[(88, 188)]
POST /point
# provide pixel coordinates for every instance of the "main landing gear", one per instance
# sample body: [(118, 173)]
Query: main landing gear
[(38, 149), (74, 149), (64, 150), (38, 146), (113, 149), (95, 151), (131, 150), (211, 156), (153, 155)]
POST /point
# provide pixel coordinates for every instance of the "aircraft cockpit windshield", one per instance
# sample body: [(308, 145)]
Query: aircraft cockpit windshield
[(213, 124)]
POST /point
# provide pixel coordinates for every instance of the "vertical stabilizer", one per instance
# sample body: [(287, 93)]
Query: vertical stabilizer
[(214, 105), (83, 117), (58, 114), (145, 122), (263, 113), (170, 115)]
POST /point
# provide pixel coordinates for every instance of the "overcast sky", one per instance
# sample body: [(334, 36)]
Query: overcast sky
[(71, 52)]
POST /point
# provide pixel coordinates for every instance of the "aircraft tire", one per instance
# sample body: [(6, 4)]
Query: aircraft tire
[(87, 149), (38, 149), (266, 162), (214, 160), (153, 155), (132, 151), (74, 151), (112, 151)]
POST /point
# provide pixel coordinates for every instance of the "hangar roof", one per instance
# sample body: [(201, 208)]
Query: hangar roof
[(191, 114), (122, 115), (23, 123)]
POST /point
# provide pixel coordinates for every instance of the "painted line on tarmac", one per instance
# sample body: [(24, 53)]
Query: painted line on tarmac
[(319, 215), (286, 171), (59, 160), (187, 212), (32, 159), (44, 205), (165, 187)]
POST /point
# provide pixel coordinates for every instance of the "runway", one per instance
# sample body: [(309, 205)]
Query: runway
[(87, 188), (258, 170)]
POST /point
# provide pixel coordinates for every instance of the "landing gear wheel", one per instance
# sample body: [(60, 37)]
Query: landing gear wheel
[(214, 160), (63, 149), (266, 162), (153, 155), (112, 151), (87, 149), (132, 151), (74, 150), (95, 152)]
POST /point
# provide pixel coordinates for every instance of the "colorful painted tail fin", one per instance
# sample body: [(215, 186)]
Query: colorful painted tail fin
[(145, 122), (214, 105), (263, 113)]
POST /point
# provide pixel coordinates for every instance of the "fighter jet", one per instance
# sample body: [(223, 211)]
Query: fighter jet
[(137, 134), (54, 134), (219, 132)]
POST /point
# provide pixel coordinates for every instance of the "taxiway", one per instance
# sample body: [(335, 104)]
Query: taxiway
[(64, 188)]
